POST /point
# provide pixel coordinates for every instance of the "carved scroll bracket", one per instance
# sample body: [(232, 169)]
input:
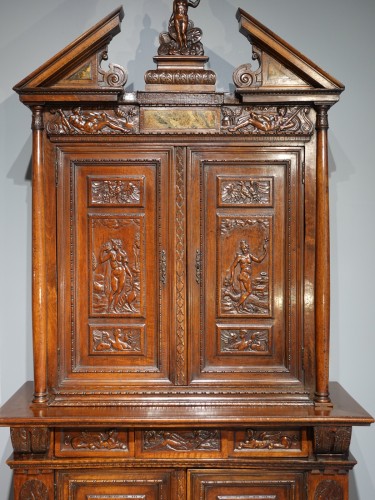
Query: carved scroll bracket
[(30, 440), (333, 440), (245, 76)]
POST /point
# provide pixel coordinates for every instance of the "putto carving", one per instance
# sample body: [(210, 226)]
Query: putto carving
[(196, 440), (121, 120), (116, 271), (329, 489), (88, 440), (245, 191), (34, 489), (244, 76), (268, 440), (116, 192), (267, 120), (116, 340), (244, 341), (182, 37)]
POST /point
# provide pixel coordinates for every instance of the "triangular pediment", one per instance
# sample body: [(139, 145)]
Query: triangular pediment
[(77, 68), (281, 66)]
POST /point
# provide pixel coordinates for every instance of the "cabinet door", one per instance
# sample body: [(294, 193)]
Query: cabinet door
[(114, 485), (112, 242), (245, 261), (242, 485)]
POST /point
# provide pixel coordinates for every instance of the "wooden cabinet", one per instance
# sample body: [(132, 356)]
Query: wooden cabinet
[(180, 279)]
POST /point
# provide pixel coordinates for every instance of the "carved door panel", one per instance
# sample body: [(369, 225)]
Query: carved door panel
[(115, 485), (112, 244), (246, 286), (241, 485)]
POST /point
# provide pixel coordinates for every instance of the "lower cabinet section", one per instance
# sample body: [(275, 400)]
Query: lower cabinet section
[(115, 485), (241, 485)]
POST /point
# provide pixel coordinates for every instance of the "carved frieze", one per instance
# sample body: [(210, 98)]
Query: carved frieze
[(117, 340), (34, 489), (116, 191), (244, 341), (269, 440), (30, 440), (195, 440), (180, 77), (245, 191), (279, 120), (95, 441), (329, 489), (79, 121), (116, 265), (332, 440)]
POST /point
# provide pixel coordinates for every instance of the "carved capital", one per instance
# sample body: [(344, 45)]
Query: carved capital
[(37, 122), (30, 440), (332, 441), (322, 117)]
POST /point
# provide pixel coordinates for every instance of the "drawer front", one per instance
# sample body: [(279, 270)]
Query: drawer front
[(115, 485), (257, 442), (94, 443), (176, 443), (241, 485)]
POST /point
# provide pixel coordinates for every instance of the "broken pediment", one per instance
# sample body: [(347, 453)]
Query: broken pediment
[(278, 67), (77, 69)]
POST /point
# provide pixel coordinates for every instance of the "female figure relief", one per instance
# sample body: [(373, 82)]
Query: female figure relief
[(245, 260)]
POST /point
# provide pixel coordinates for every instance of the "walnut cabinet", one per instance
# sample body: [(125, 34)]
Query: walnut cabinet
[(180, 279)]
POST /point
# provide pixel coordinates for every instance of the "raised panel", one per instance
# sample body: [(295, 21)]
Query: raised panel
[(115, 485), (243, 485), (247, 298), (113, 313)]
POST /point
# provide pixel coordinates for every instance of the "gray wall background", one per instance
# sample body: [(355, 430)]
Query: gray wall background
[(337, 35)]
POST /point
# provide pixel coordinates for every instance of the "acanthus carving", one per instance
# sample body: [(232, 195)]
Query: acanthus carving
[(182, 37), (180, 266), (268, 440), (116, 76), (117, 340), (267, 120), (245, 192), (329, 489), (180, 77), (116, 282), (244, 76), (116, 192), (196, 440), (34, 489), (332, 440), (243, 340), (121, 120), (30, 440), (88, 440)]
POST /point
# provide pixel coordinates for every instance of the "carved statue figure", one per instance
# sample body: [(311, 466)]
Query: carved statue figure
[(245, 260), (182, 38), (118, 259), (180, 19)]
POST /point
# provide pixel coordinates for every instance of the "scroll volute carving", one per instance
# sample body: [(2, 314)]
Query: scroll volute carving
[(334, 440)]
